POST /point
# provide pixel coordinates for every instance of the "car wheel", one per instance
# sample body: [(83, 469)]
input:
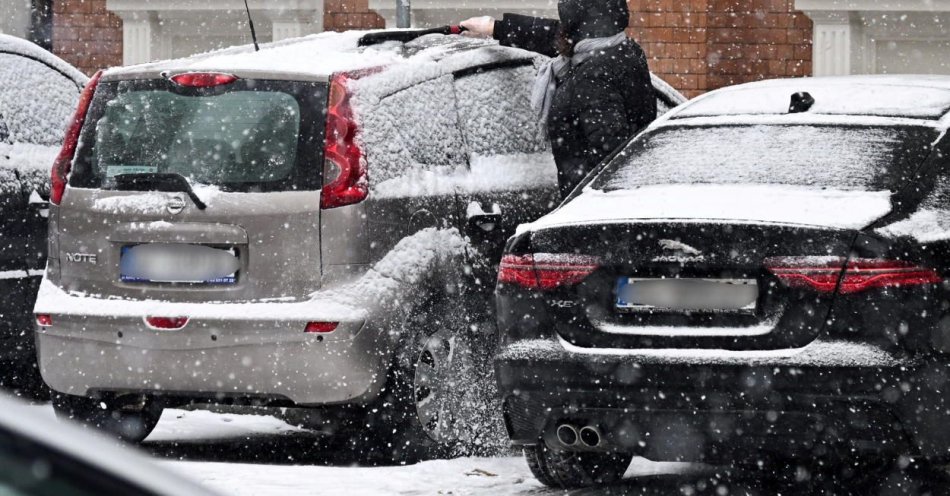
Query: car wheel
[(570, 469), (132, 420)]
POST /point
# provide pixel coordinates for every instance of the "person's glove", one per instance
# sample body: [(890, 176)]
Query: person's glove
[(479, 27)]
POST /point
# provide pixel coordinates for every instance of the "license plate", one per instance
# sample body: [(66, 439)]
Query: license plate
[(176, 263), (686, 295)]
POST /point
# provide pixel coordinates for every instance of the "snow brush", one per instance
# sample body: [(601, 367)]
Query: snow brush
[(406, 35)]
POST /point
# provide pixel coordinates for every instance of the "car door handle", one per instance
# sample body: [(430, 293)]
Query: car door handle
[(479, 218)]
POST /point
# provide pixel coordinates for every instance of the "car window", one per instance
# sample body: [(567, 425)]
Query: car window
[(848, 158), (30, 469), (496, 113), (249, 136), (412, 131), (37, 101)]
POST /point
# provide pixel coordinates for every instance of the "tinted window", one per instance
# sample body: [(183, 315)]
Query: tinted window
[(851, 158), (250, 137), (496, 113), (36, 102)]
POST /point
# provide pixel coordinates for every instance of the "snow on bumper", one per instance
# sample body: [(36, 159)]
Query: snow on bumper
[(257, 349)]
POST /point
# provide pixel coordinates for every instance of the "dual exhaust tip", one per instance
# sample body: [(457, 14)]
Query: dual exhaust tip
[(588, 436)]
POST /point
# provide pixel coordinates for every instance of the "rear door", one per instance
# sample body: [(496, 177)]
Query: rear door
[(251, 151), (511, 177)]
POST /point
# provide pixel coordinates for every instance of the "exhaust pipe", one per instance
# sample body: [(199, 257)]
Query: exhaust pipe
[(590, 436), (567, 435)]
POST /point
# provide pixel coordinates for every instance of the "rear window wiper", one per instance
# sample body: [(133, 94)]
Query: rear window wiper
[(157, 181)]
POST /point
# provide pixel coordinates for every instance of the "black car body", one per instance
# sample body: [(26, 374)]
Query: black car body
[(38, 93), (741, 282)]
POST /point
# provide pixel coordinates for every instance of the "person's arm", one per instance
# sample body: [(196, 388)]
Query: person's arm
[(535, 34), (530, 33)]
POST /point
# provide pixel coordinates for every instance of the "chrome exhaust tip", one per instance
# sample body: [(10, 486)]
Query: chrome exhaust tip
[(590, 436), (567, 435)]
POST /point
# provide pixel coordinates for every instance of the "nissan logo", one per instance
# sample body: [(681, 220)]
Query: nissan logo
[(175, 205)]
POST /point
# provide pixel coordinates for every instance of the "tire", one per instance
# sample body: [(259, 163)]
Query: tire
[(570, 470), (131, 422), (437, 401)]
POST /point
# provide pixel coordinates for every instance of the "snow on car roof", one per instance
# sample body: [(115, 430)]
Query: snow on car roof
[(915, 97), (19, 46), (321, 55)]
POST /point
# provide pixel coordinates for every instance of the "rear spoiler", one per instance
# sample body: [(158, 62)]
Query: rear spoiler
[(405, 36)]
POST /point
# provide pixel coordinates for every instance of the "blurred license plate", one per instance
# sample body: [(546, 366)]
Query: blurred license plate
[(685, 295), (178, 263)]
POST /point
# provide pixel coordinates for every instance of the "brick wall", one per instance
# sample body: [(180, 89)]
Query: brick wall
[(340, 15), (86, 35), (701, 45)]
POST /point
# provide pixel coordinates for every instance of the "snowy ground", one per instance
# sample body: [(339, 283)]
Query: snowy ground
[(260, 455)]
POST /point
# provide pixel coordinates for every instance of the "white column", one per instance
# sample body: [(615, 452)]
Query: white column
[(831, 47), (140, 32)]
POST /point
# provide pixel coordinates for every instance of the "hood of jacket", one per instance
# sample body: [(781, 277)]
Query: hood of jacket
[(583, 19)]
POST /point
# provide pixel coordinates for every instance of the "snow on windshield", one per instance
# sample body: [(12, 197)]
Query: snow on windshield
[(847, 158)]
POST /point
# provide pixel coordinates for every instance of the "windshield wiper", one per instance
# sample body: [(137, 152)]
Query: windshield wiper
[(168, 182)]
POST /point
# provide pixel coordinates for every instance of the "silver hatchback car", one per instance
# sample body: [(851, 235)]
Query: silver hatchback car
[(315, 224)]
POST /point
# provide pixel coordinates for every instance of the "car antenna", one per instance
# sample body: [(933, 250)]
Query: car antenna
[(250, 22)]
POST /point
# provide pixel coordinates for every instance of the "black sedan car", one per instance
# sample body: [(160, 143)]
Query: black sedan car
[(758, 279), (38, 95)]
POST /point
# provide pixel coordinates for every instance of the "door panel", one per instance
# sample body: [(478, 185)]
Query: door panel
[(512, 175)]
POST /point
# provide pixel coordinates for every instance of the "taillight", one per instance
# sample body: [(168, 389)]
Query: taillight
[(546, 271), (861, 274), (64, 161), (203, 79), (167, 323), (321, 327), (44, 320), (342, 153)]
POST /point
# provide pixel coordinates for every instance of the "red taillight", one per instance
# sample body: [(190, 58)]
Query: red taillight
[(64, 160), (321, 327), (341, 151), (821, 273), (167, 323), (546, 271), (203, 79), (44, 320)]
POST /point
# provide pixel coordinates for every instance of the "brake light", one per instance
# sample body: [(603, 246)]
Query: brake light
[(861, 274), (203, 79), (167, 323), (546, 271), (321, 327), (64, 161), (44, 320), (341, 151)]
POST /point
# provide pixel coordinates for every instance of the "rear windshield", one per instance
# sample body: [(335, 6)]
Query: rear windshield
[(845, 158), (248, 136)]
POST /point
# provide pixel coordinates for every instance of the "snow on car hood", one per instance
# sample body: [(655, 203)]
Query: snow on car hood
[(772, 204)]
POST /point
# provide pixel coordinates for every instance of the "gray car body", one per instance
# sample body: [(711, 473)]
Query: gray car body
[(371, 266)]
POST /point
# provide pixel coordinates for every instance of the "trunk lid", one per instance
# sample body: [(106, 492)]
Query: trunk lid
[(249, 151), (724, 295)]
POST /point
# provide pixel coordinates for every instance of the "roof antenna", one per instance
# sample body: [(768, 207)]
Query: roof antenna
[(250, 22)]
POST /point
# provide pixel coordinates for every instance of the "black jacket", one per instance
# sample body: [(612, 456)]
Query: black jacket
[(598, 105)]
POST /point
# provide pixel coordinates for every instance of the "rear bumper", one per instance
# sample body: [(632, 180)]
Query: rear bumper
[(260, 351), (828, 399)]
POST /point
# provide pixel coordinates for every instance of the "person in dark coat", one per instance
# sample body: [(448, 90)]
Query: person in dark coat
[(596, 94)]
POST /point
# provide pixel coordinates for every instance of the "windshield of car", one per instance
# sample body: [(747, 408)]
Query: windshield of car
[(242, 139), (844, 158)]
